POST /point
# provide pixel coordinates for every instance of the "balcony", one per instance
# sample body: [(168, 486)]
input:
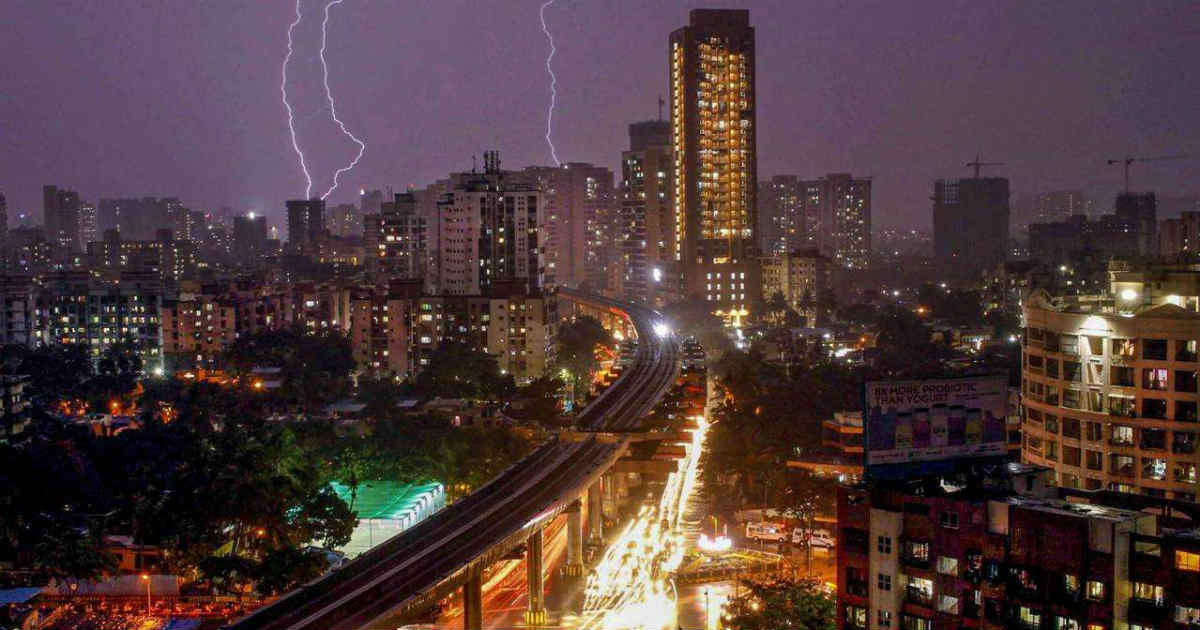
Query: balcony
[(1148, 612), (913, 595)]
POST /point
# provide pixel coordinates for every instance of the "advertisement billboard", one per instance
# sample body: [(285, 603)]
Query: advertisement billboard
[(935, 420)]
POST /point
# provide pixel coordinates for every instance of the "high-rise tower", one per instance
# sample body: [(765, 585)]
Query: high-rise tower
[(713, 130)]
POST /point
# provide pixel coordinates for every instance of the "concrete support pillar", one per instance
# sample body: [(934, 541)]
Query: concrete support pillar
[(473, 600), (610, 493), (575, 539), (536, 614), (595, 512)]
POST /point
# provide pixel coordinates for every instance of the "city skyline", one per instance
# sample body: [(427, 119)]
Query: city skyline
[(190, 108)]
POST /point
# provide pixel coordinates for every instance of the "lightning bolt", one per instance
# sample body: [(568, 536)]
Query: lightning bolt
[(362, 146), (286, 104), (553, 82)]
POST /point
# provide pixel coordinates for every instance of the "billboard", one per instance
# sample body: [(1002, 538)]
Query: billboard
[(935, 420)]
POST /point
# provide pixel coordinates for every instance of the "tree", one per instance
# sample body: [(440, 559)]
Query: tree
[(70, 552), (324, 517), (284, 569), (457, 371), (576, 351), (781, 605), (538, 402)]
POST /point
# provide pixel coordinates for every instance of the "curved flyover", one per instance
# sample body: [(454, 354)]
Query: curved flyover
[(413, 569)]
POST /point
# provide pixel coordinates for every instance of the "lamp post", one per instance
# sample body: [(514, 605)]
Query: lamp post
[(146, 579), (707, 611)]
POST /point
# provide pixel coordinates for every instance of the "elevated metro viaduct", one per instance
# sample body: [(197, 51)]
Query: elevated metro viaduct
[(408, 573)]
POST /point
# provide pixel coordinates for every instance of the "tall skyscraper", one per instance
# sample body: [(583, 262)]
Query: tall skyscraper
[(581, 222), (713, 129), (306, 223), (970, 223), (646, 231), (60, 217)]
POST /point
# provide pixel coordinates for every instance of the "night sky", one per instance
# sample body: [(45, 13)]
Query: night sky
[(181, 97)]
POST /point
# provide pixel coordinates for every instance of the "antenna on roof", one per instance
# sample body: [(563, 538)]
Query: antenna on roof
[(661, 102)]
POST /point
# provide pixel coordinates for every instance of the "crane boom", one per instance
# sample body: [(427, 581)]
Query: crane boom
[(1126, 161), (976, 164)]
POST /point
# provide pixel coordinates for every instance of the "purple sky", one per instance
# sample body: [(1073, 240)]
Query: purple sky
[(181, 97)]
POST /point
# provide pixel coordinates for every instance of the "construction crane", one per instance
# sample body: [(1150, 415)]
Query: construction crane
[(1130, 160), (977, 165)]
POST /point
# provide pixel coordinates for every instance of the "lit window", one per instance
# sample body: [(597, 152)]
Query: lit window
[(1187, 560)]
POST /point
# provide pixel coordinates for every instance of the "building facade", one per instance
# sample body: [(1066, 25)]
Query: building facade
[(581, 222), (802, 278), (646, 231), (970, 223), (1110, 390), (61, 211), (715, 175), (1013, 555), (306, 225), (395, 239)]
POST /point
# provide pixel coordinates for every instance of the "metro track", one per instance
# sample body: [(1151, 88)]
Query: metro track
[(412, 568)]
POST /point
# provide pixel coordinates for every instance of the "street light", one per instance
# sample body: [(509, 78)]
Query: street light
[(146, 579)]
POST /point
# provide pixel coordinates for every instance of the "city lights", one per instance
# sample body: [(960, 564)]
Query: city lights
[(631, 586)]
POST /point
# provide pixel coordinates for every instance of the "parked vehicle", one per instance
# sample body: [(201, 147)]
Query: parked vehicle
[(766, 531)]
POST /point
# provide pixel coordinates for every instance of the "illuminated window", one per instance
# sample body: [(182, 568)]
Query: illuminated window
[(1187, 560)]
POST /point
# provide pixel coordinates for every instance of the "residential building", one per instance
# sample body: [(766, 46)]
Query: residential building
[(713, 129), (97, 311), (970, 223), (29, 252), (1180, 238), (306, 225), (140, 219), (1109, 383), (490, 232), (1004, 553), (785, 223), (802, 278), (172, 259), (249, 237), (14, 407), (88, 230), (17, 310), (840, 455), (395, 240), (1140, 212), (344, 220), (646, 231), (580, 222), (1063, 242), (61, 218)]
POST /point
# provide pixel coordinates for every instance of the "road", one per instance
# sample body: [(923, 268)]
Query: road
[(413, 570)]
